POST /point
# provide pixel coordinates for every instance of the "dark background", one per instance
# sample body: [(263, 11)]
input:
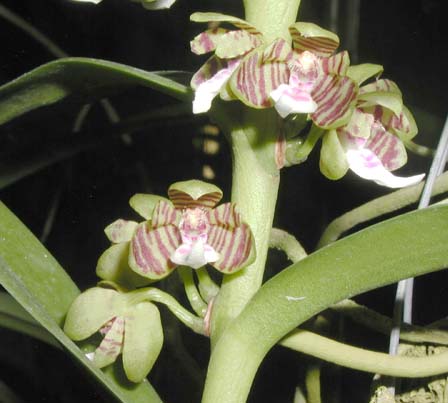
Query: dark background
[(89, 189)]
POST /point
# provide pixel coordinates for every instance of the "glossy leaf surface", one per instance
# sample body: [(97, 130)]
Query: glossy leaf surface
[(56, 80), (409, 245)]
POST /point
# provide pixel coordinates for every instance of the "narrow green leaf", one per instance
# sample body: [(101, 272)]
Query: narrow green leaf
[(33, 277), (406, 246), (56, 80)]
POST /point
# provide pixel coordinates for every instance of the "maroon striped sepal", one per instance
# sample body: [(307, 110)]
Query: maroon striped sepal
[(194, 193), (335, 97), (154, 242), (231, 238), (260, 73)]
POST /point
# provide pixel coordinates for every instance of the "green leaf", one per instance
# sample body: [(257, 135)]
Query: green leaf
[(406, 246), (56, 80), (14, 317), (33, 277)]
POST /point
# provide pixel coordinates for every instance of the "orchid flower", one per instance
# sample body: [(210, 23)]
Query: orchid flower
[(317, 81), (229, 47), (183, 230), (370, 143), (133, 330)]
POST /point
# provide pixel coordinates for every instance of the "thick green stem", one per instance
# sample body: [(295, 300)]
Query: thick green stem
[(272, 17), (254, 190)]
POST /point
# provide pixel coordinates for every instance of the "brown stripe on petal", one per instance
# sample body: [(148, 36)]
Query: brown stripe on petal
[(152, 250), (206, 41), (241, 250), (207, 71), (226, 251), (237, 249), (164, 214), (387, 147), (111, 345), (320, 46), (335, 98), (253, 81), (180, 199), (225, 215), (210, 200), (336, 64)]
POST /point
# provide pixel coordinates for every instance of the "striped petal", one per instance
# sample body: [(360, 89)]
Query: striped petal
[(231, 238), (144, 204), (112, 344), (360, 125), (389, 149), (164, 214), (194, 193), (277, 51), (217, 17), (253, 81), (382, 85), (151, 250), (206, 41), (337, 64), (209, 89), (143, 340), (368, 166), (335, 97), (308, 36), (225, 215), (404, 125), (237, 43), (234, 245), (120, 231), (210, 68)]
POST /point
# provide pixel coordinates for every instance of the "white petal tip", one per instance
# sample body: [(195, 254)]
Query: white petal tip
[(158, 4)]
